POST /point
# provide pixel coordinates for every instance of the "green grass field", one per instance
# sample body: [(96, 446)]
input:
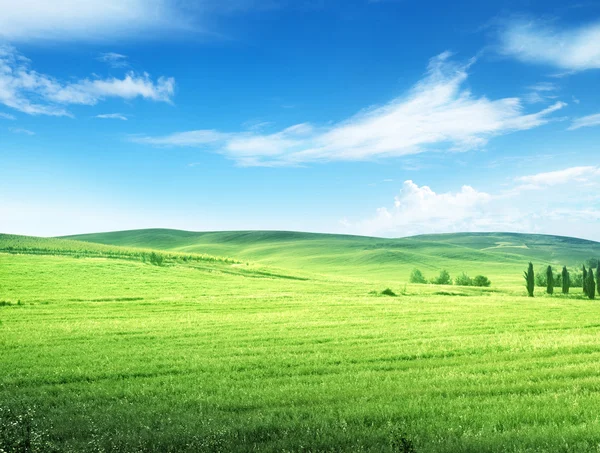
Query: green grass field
[(288, 345)]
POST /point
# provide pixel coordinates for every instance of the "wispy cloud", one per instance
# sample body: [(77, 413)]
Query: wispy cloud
[(28, 20), (437, 113), (585, 121), (541, 92), (554, 178), (190, 138), (112, 116), (569, 49), (7, 116), (31, 92), (18, 130), (112, 20), (544, 86), (114, 60), (257, 125)]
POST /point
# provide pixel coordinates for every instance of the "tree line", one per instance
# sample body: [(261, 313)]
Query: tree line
[(588, 280), (444, 278)]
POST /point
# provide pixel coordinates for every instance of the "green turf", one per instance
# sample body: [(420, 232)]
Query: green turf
[(107, 353)]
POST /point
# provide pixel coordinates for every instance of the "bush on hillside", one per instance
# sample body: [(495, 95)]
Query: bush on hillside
[(417, 277), (388, 292), (156, 259), (576, 279), (540, 277), (463, 280), (481, 280), (442, 279)]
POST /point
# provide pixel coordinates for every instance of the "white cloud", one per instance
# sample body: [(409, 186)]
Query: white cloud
[(90, 92), (585, 121), (31, 92), (27, 20), (114, 60), (418, 209), (437, 113), (544, 86), (560, 210), (541, 92), (191, 138), (7, 116), (554, 178), (19, 130), (112, 116), (573, 49), (112, 20), (256, 125)]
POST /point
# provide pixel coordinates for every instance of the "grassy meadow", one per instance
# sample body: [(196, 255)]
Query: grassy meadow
[(288, 345)]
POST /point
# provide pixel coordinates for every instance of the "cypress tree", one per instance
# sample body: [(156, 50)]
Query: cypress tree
[(598, 278), (530, 280), (566, 280), (549, 280), (584, 279), (591, 285)]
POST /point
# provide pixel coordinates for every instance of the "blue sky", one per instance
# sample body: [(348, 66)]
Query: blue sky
[(387, 118)]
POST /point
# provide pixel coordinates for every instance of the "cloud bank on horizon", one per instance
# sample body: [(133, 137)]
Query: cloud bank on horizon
[(418, 209)]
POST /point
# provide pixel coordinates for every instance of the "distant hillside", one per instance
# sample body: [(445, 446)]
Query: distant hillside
[(500, 255), (31, 245)]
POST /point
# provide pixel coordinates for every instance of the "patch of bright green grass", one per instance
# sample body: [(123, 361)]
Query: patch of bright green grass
[(119, 355)]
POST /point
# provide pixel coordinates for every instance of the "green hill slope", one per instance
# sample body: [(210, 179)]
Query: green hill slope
[(70, 248), (499, 255), (31, 245)]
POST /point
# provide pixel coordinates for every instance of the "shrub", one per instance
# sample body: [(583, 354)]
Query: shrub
[(540, 277), (443, 278), (417, 277), (388, 292), (576, 280), (156, 259), (463, 280), (481, 280)]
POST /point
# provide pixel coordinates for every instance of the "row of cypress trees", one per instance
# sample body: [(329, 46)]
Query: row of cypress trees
[(589, 284)]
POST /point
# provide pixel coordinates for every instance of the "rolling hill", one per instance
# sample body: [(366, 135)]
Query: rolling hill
[(500, 255), (299, 344)]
